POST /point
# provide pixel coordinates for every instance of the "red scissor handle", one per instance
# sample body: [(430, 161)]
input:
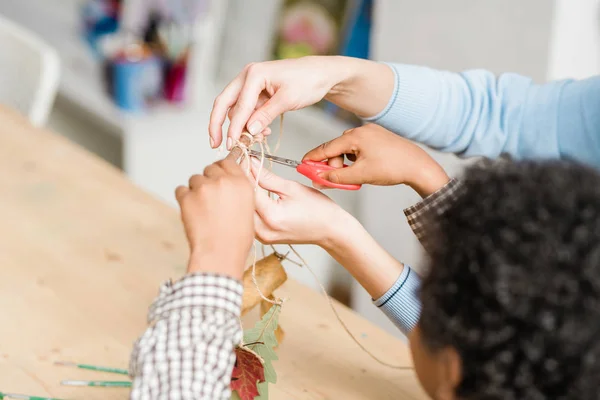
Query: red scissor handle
[(312, 169)]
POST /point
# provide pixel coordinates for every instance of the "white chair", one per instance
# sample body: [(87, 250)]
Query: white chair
[(29, 72)]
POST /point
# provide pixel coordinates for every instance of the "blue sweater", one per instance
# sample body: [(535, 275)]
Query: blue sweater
[(475, 113)]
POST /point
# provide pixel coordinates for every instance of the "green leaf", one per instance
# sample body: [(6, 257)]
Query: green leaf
[(234, 396), (264, 342)]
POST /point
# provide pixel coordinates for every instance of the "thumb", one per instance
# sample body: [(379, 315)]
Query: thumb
[(265, 114), (352, 175), (334, 148)]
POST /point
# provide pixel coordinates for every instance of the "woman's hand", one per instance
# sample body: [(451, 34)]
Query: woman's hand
[(219, 241), (300, 215), (303, 215), (380, 158), (263, 91)]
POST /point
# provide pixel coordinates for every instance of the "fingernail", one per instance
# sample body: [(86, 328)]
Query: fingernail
[(255, 127), (229, 143), (212, 142)]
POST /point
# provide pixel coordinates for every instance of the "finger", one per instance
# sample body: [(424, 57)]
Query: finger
[(262, 231), (230, 167), (334, 148), (336, 162), (245, 107), (196, 181), (263, 203), (268, 180), (265, 114), (231, 112), (351, 175), (262, 99), (180, 193), (214, 170), (221, 106)]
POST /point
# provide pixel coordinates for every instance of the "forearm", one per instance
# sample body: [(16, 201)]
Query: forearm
[(476, 113), (393, 285), (355, 249), (362, 87), (187, 352)]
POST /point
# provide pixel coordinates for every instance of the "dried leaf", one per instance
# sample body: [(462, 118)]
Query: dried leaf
[(248, 372), (265, 306), (262, 340)]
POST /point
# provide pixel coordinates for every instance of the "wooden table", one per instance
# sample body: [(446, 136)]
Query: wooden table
[(82, 254)]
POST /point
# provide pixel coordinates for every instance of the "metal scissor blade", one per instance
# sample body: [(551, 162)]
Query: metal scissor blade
[(278, 160)]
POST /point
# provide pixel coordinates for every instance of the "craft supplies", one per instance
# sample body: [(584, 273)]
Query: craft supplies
[(175, 81), (93, 367), (165, 31), (122, 384), (95, 383), (113, 384), (310, 169), (100, 18), (23, 397), (136, 78), (176, 41)]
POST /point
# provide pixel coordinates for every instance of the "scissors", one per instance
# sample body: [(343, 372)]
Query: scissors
[(310, 169)]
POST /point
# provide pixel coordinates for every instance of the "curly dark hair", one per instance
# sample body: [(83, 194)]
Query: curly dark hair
[(514, 282)]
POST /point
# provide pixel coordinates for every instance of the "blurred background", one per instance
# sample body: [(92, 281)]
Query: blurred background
[(138, 78)]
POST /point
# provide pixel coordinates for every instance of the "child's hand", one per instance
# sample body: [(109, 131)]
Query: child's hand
[(217, 211), (301, 215), (380, 158)]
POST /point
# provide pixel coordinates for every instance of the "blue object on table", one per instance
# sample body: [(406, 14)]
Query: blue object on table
[(136, 84)]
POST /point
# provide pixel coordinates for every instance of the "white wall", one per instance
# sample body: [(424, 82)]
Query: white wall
[(575, 40)]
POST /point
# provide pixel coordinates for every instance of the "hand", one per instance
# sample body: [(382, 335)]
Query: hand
[(263, 91), (217, 212), (301, 215), (380, 158)]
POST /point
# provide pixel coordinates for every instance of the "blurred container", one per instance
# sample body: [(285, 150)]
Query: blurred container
[(137, 79)]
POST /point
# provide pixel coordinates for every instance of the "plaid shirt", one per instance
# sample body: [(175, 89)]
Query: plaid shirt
[(422, 215), (187, 353)]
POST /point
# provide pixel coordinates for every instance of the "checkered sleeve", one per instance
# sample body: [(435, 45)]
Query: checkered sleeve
[(187, 352), (421, 217)]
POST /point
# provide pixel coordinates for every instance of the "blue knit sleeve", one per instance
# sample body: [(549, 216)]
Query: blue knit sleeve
[(401, 303), (475, 113)]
